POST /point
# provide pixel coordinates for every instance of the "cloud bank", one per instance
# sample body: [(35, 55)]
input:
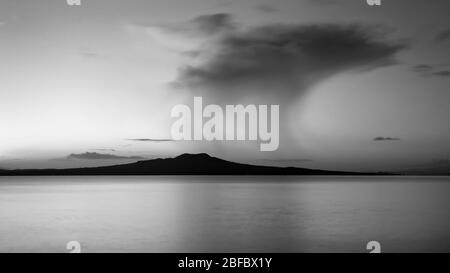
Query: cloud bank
[(98, 156)]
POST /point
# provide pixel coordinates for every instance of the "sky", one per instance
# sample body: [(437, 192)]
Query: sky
[(359, 87)]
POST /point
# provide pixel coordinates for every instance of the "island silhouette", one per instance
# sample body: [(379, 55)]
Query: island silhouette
[(185, 164)]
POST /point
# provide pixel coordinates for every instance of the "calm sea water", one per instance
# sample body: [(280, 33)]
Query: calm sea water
[(224, 214)]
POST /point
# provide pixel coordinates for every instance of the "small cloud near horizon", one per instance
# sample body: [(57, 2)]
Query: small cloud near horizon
[(90, 53), (444, 73), (427, 70), (386, 139), (422, 68)]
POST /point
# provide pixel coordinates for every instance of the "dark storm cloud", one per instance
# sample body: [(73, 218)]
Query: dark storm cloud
[(98, 156), (150, 140), (444, 73), (386, 139), (443, 36), (286, 58)]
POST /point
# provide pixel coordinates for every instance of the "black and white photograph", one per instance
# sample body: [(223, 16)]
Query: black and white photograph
[(225, 126)]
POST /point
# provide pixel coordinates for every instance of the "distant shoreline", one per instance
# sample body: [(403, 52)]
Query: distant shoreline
[(185, 164)]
